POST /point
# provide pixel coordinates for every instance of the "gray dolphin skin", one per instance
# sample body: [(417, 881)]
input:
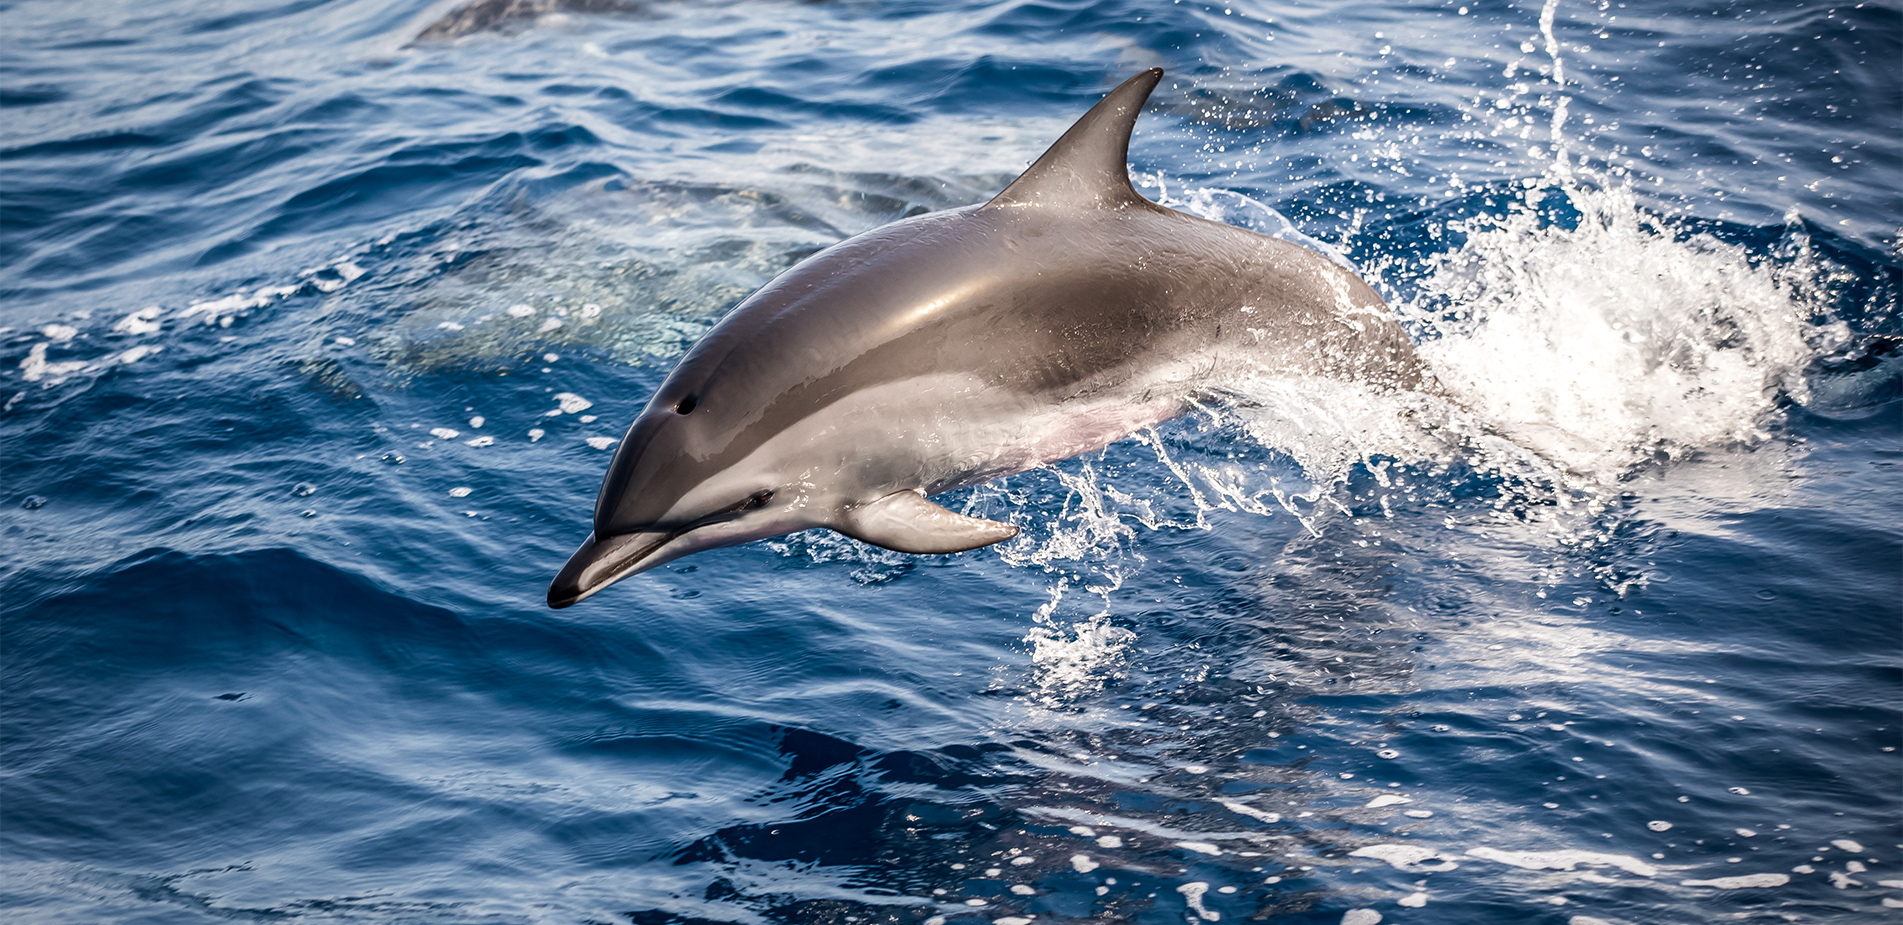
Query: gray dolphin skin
[(955, 347), (505, 16)]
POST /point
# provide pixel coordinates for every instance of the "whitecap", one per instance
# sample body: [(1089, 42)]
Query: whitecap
[(1405, 857), (1744, 882), (1563, 860), (1250, 811), (1193, 898), (143, 321), (36, 367)]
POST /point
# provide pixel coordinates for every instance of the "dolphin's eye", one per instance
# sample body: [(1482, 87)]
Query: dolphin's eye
[(686, 406), (759, 499)]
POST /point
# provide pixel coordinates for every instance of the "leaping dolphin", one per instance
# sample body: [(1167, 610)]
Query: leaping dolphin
[(955, 347)]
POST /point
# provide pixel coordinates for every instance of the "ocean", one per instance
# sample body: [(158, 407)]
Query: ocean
[(321, 319)]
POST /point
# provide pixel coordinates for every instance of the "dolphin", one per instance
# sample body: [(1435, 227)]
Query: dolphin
[(955, 347), (514, 15)]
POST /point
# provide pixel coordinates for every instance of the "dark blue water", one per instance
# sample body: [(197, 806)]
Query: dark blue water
[(317, 338)]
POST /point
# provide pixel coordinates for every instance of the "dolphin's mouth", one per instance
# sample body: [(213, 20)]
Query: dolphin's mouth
[(602, 561)]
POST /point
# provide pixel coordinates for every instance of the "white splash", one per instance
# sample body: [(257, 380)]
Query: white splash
[(1233, 208), (333, 277), (223, 311), (1563, 860), (143, 321), (1193, 898), (1405, 857), (1745, 882), (1250, 811), (36, 367), (1076, 657), (130, 355), (1602, 345)]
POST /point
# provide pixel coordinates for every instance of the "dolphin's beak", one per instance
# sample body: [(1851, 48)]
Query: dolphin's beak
[(602, 562)]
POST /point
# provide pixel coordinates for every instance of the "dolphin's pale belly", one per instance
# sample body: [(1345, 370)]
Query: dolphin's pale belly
[(944, 431), (982, 449), (880, 440)]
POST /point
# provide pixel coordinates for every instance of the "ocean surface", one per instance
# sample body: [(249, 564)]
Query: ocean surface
[(320, 320)]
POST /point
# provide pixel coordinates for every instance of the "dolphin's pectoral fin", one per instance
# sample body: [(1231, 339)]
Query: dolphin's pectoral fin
[(905, 522)]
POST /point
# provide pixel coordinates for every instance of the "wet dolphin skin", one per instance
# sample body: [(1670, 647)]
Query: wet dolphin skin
[(955, 347)]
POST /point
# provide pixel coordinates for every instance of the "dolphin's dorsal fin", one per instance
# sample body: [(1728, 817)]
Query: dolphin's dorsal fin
[(905, 522), (1089, 166)]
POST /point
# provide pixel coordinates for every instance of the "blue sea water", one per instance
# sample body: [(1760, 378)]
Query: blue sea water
[(318, 325)]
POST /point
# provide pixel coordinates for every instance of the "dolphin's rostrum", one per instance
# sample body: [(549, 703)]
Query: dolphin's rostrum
[(955, 347)]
